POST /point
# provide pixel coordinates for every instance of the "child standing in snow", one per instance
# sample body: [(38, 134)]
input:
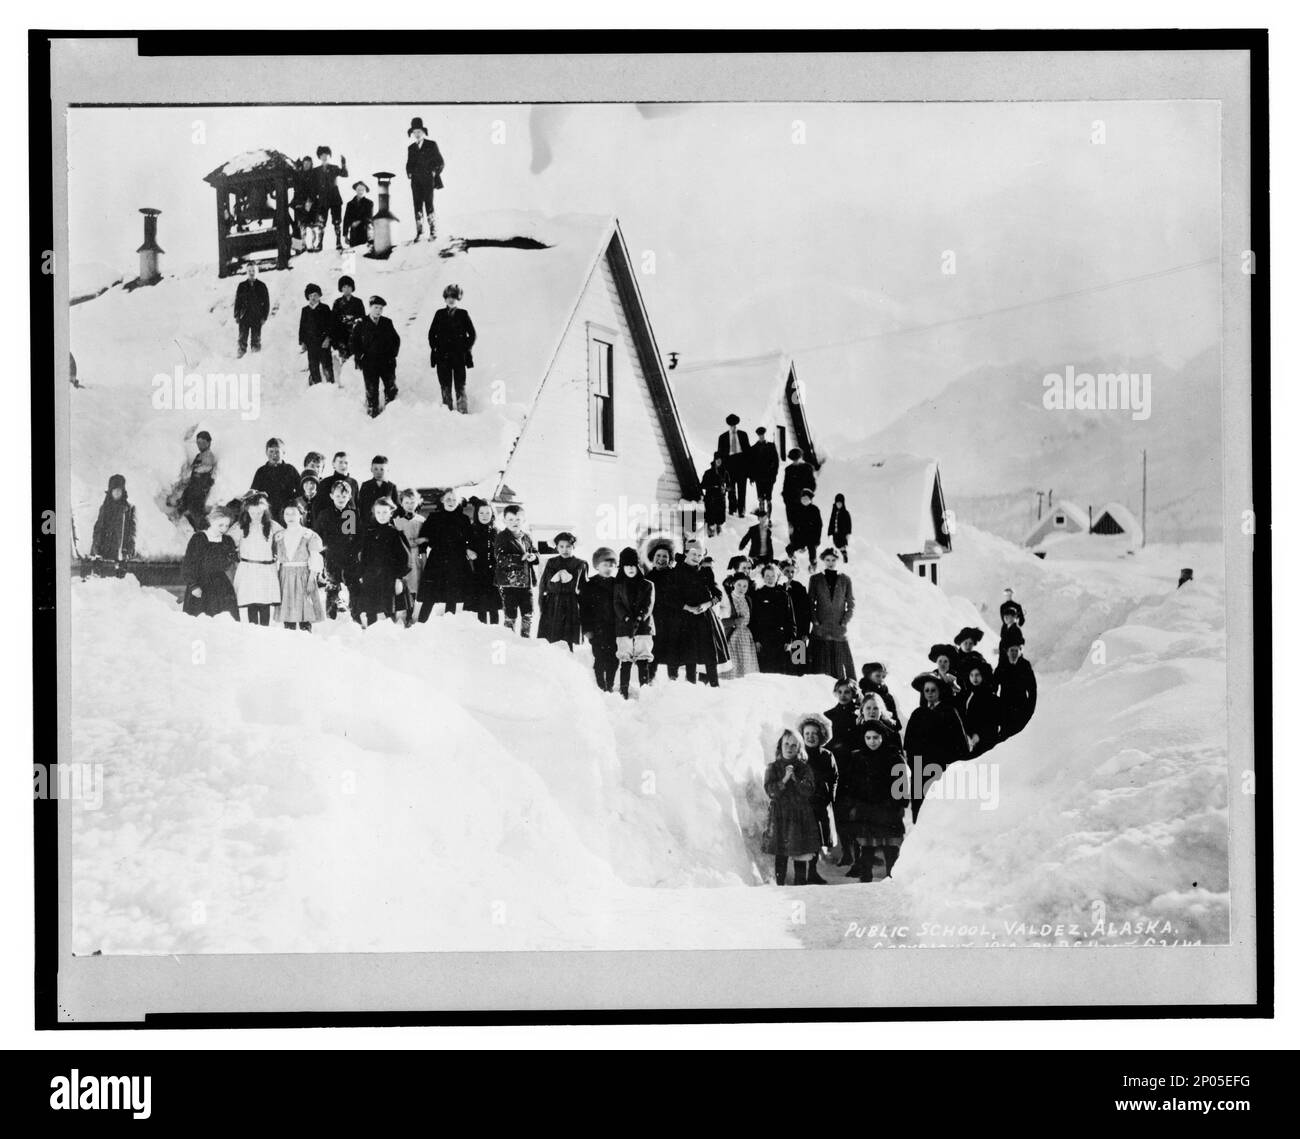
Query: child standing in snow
[(878, 817), (446, 576), (309, 485), (201, 475), (485, 596), (562, 582), (831, 595), (599, 620), (792, 830), (299, 563), (515, 575), (257, 584), (840, 526), (634, 602), (335, 520), (873, 680), (740, 640), (408, 521), (1013, 617), (210, 559), (714, 484), (113, 540), (382, 560), (816, 733)]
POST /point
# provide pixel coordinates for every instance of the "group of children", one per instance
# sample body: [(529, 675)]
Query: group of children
[(848, 777)]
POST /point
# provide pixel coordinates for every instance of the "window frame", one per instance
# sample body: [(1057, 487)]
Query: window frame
[(601, 334)]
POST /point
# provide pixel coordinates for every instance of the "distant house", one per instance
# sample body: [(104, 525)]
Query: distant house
[(1116, 518), (602, 451), (763, 390), (898, 506), (1063, 518)]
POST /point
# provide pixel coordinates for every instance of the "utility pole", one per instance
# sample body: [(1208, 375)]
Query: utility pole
[(1144, 497)]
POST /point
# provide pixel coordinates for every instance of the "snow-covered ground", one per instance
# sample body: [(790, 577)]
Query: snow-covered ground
[(451, 788)]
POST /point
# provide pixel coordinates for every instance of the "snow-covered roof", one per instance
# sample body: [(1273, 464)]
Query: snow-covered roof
[(1047, 523), (251, 162), (707, 392), (1122, 515), (892, 501)]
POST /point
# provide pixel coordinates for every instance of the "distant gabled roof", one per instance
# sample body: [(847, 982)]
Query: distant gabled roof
[(1047, 525), (250, 162), (753, 387), (897, 502), (1122, 515)]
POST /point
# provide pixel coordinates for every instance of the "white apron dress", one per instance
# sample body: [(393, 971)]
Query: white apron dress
[(256, 580), (300, 595)]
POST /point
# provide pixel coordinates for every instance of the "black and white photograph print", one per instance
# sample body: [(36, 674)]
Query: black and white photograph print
[(692, 524)]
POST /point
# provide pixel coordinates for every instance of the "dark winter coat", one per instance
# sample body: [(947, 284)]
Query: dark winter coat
[(826, 774), (280, 482), (846, 728), (890, 734), (715, 497), (315, 325), (339, 534), (561, 616), (791, 822), (382, 559), (327, 484), (596, 602), (371, 492), (446, 575), (724, 448), (375, 344), (667, 613), (764, 463), (451, 336), (252, 302), (357, 216), (514, 571), (980, 712), (634, 602), (798, 476), (761, 546), (696, 644), (874, 789), (831, 596), (1008, 636), (1017, 694), (840, 526), (208, 566), (326, 177), (424, 162), (771, 621), (805, 526), (485, 597), (113, 538), (347, 313), (801, 606), (936, 735), (965, 662)]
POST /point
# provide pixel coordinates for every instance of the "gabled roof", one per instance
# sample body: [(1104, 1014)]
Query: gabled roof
[(1122, 515), (1047, 525), (897, 502), (754, 387), (250, 162)]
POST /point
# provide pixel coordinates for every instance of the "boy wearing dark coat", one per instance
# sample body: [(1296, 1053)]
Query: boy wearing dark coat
[(340, 474), (764, 465), (335, 520), (558, 593), (599, 622), (327, 197), (634, 627), (314, 328), (202, 474), (376, 486), (375, 344), (113, 539), (806, 529), (799, 476), (771, 621), (276, 479), (252, 307), (733, 446), (758, 538), (358, 215), (347, 313), (382, 560), (424, 168), (451, 340), (1017, 691), (516, 557)]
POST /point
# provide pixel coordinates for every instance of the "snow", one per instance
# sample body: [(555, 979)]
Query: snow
[(250, 161), (890, 498), (521, 301), (707, 392)]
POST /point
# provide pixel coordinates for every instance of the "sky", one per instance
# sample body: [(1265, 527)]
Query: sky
[(843, 233)]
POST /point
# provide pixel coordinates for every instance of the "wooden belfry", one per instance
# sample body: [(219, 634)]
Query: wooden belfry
[(252, 208)]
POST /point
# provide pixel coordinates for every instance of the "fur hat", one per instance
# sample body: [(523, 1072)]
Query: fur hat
[(870, 667), (628, 557), (417, 124), (323, 150), (974, 634), (346, 280), (117, 482), (819, 721), (653, 543), (603, 554), (949, 651), (307, 292)]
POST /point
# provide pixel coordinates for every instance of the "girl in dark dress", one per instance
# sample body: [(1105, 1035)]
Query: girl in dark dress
[(634, 627), (935, 738), (485, 597), (699, 631), (659, 551), (562, 582), (446, 576), (879, 821), (113, 540), (792, 830), (210, 559), (839, 527), (383, 559), (816, 733), (714, 483)]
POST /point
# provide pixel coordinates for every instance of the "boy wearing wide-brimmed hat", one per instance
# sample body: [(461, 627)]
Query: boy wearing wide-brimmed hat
[(424, 167)]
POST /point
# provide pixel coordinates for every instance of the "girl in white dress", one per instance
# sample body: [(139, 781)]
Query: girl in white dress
[(257, 584)]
